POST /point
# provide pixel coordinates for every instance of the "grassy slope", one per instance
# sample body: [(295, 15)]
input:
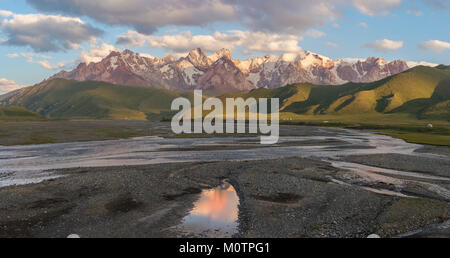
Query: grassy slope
[(57, 131), (94, 100), (18, 114)]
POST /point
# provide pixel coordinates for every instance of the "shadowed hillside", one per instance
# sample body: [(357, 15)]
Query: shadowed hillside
[(18, 114)]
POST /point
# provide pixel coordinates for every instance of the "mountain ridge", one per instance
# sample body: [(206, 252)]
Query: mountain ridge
[(221, 73)]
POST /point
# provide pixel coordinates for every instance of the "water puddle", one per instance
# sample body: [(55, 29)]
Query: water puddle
[(215, 214)]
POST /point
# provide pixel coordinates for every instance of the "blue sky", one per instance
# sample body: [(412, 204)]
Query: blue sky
[(415, 30)]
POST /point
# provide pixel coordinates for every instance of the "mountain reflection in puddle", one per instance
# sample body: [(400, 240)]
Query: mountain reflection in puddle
[(215, 214)]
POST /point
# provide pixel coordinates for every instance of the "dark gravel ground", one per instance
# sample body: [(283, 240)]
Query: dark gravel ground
[(440, 150), (439, 166)]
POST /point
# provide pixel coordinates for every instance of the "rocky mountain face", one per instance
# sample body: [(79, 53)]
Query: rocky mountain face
[(221, 73)]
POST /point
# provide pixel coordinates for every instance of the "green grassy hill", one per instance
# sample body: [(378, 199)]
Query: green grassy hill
[(70, 99), (423, 92), (18, 114)]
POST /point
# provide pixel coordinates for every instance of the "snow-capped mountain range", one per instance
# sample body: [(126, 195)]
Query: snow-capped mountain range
[(221, 73)]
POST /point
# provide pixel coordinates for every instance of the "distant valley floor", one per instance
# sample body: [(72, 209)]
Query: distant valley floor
[(58, 131)]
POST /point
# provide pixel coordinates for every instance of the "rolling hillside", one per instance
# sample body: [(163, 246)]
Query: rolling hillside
[(423, 92), (18, 114), (71, 99)]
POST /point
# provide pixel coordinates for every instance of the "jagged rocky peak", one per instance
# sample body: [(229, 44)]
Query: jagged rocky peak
[(375, 60), (312, 59), (196, 53), (81, 65), (113, 54), (198, 58), (127, 55), (222, 53), (128, 52), (221, 73)]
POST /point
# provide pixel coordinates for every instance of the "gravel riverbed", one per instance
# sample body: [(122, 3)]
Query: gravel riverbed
[(290, 197), (316, 182)]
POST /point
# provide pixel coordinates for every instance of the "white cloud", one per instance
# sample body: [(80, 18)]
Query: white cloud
[(376, 7), (30, 58), (185, 41), (5, 13), (8, 85), (385, 45), (281, 16), (96, 53), (412, 64), (30, 55), (46, 64), (435, 45), (265, 42), (132, 38), (315, 33), (147, 16), (332, 44), (44, 33), (363, 25), (12, 55), (286, 16)]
